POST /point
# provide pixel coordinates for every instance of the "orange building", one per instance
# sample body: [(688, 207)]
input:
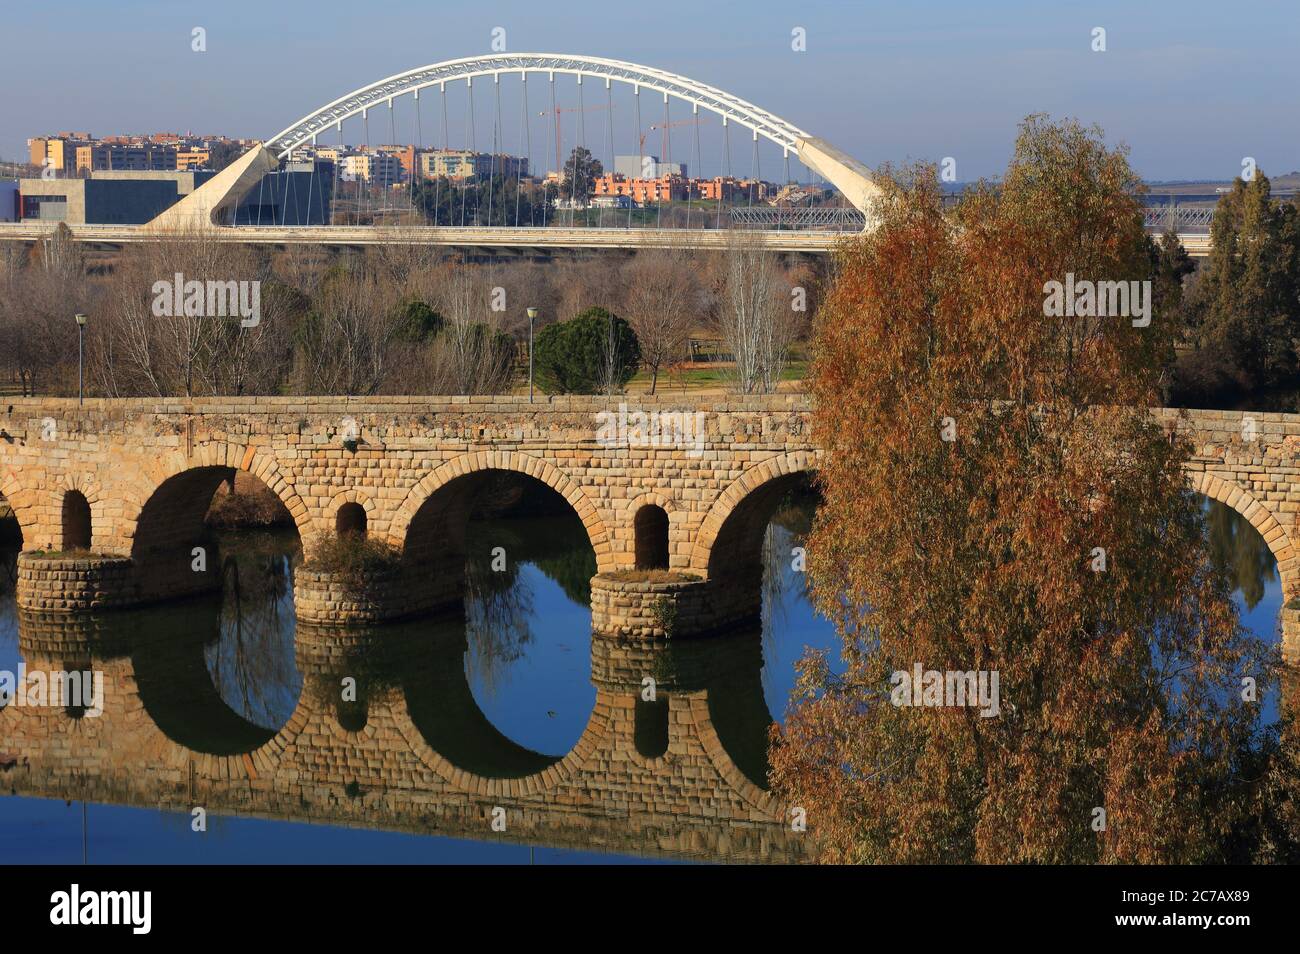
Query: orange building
[(404, 155), (667, 188), (59, 151), (187, 159), (727, 189)]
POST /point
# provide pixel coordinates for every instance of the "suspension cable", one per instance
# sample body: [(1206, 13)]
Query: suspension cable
[(416, 154), (470, 140), (370, 166), (519, 166), (609, 128), (726, 148), (659, 192), (640, 157), (392, 133), (496, 125), (554, 131), (446, 141)]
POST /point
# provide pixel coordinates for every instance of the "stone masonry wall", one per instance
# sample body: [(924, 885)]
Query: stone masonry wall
[(686, 607), (65, 584), (119, 453)]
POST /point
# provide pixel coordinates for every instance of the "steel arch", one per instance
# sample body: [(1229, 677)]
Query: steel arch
[(730, 108)]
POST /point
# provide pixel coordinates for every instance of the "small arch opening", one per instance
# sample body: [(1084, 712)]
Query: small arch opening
[(651, 728), (76, 521), (352, 715), (76, 687), (350, 520), (11, 544), (651, 528)]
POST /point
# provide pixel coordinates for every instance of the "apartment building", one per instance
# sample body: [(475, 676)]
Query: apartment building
[(126, 156), (464, 164), (379, 168)]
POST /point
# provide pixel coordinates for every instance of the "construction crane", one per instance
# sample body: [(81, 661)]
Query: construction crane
[(559, 169), (665, 127)]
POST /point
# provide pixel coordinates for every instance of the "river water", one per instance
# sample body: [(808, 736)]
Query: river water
[(223, 675)]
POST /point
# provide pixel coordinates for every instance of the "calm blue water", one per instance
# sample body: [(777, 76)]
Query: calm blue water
[(527, 664)]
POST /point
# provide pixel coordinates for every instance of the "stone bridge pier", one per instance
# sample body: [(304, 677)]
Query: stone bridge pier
[(674, 494)]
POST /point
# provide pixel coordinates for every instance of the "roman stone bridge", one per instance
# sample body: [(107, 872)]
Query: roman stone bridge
[(131, 481)]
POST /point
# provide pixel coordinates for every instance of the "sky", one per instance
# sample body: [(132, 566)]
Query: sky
[(1191, 87)]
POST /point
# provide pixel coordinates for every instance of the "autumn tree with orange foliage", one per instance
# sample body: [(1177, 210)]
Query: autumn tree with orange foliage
[(1120, 688)]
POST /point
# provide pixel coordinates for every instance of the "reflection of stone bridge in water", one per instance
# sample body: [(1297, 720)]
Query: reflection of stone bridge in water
[(675, 777), (131, 480)]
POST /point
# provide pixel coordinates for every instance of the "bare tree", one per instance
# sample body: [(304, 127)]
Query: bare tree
[(38, 302), (662, 301), (755, 313), (581, 285), (472, 354), (344, 346), (164, 328)]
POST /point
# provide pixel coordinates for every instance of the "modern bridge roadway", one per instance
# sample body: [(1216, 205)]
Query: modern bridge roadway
[(519, 241)]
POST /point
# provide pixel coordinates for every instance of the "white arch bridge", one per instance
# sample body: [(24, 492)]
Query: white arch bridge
[(207, 207)]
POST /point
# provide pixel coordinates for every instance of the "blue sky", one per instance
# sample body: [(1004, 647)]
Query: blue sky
[(1191, 86)]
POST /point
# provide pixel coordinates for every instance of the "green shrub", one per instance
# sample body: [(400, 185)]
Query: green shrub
[(416, 321), (664, 612), (652, 576), (571, 357), (352, 556)]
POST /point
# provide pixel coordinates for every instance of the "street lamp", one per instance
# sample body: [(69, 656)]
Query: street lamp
[(81, 364), (532, 317)]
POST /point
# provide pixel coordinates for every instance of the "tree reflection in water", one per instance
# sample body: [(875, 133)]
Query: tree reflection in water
[(790, 624), (498, 603), (500, 606), (1238, 550), (252, 663)]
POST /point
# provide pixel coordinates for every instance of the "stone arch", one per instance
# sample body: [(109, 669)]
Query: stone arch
[(765, 477), (76, 522), (215, 456), (761, 799), (650, 531), (20, 502), (480, 461), (677, 532), (594, 741), (95, 527), (651, 729), (1245, 503), (357, 501)]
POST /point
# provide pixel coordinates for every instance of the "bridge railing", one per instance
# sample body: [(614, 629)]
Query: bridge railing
[(835, 218), (1184, 218)]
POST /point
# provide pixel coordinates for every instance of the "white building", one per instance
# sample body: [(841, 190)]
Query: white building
[(647, 167)]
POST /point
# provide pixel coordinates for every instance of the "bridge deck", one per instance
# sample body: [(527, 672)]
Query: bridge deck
[(516, 240)]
